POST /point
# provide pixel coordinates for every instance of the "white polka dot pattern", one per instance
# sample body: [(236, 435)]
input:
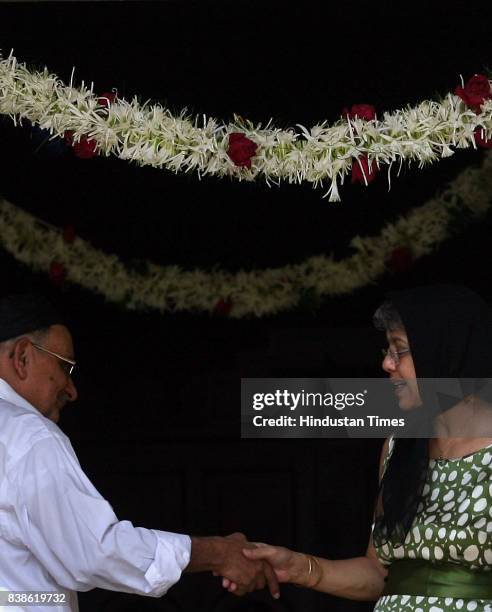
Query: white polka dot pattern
[(453, 523)]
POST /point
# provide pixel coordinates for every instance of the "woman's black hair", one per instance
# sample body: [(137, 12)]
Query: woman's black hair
[(457, 344), (386, 317)]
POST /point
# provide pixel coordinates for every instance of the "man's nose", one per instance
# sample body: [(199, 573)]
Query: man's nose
[(71, 390)]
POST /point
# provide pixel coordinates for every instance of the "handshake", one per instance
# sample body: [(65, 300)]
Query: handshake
[(246, 566)]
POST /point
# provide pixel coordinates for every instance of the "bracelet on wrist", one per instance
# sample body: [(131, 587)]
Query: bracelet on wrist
[(313, 569)]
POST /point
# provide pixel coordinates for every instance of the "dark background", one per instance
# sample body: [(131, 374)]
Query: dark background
[(156, 426)]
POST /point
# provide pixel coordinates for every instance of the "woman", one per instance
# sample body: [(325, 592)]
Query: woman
[(431, 544)]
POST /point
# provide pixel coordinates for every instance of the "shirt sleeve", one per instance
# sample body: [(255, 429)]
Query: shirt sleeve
[(74, 533)]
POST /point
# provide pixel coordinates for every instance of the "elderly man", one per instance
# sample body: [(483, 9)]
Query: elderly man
[(57, 534)]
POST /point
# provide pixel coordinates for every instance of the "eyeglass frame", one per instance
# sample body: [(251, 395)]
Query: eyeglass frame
[(71, 362), (394, 355)]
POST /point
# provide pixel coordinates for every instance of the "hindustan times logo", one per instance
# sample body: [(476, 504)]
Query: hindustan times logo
[(288, 399)]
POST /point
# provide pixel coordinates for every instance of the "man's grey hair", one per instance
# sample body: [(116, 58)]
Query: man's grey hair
[(36, 336)]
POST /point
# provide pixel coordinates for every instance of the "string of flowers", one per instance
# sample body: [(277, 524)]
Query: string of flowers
[(359, 143), (65, 256)]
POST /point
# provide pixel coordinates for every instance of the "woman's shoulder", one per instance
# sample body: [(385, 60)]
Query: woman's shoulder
[(461, 448)]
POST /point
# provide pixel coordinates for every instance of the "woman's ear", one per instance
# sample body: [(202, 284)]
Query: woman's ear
[(21, 354)]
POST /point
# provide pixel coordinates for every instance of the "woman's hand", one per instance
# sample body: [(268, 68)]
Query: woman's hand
[(288, 565), (265, 575)]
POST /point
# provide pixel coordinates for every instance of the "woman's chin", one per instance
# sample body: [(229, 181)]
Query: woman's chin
[(406, 406), (406, 397), (407, 402)]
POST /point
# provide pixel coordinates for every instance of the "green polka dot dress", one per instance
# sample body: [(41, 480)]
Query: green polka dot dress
[(453, 523)]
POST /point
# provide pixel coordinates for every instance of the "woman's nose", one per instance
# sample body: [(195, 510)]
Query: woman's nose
[(388, 364)]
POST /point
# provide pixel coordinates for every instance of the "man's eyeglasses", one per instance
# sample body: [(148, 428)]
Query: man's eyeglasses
[(66, 364), (394, 355)]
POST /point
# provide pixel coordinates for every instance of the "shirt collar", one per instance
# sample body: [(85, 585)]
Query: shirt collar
[(11, 396)]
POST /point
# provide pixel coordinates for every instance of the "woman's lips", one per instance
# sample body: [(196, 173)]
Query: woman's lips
[(399, 386)]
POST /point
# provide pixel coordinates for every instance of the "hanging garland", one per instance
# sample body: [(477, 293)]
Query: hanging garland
[(358, 144), (67, 257)]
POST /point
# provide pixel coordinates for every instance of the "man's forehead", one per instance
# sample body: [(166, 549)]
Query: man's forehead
[(61, 336)]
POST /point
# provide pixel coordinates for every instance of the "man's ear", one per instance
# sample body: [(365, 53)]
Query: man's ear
[(21, 357)]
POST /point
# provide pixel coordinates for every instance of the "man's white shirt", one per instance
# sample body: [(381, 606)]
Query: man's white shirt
[(57, 533)]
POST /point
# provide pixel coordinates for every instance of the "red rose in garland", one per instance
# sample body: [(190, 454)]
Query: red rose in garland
[(57, 273), (475, 92), (400, 260), (106, 99), (369, 170), (69, 234), (360, 111), (480, 140), (223, 307), (241, 149), (85, 148)]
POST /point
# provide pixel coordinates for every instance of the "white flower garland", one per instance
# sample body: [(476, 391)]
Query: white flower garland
[(151, 135), (257, 292)]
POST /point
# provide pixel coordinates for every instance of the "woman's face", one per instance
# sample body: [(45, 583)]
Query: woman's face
[(398, 363)]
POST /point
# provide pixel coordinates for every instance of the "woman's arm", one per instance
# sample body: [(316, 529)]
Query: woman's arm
[(359, 578)]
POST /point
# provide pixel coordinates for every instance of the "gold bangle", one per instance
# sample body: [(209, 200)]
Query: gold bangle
[(313, 562)]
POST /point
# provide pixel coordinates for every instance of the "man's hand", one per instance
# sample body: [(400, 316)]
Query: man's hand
[(224, 556), (256, 575), (288, 566)]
